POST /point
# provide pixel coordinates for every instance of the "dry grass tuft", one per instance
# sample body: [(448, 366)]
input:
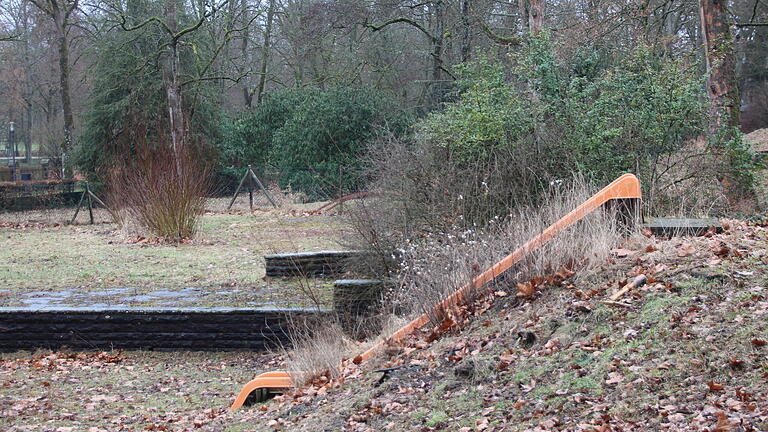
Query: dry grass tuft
[(438, 264), (434, 265), (316, 350)]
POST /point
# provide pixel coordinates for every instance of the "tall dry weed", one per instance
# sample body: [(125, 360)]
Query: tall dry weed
[(428, 267), (437, 264), (161, 190), (316, 349)]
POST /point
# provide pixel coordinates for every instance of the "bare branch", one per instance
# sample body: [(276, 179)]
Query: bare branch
[(10, 38), (499, 39), (214, 78), (405, 20)]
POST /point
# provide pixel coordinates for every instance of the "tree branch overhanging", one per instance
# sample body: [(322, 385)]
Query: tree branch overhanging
[(499, 39), (404, 20), (10, 38)]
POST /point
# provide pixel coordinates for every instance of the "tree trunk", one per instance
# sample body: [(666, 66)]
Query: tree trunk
[(523, 8), (535, 16), (173, 86), (27, 89), (247, 93), (437, 57), (721, 64), (60, 15), (265, 52), (722, 89), (465, 38), (66, 100)]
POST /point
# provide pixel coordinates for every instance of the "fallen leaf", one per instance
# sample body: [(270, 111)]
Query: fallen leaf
[(525, 289), (715, 387), (565, 273), (676, 418), (685, 250), (528, 387), (723, 424), (743, 396), (481, 424), (614, 378), (445, 325), (622, 253)]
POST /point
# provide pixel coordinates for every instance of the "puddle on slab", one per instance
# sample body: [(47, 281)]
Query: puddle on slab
[(49, 294), (172, 293), (111, 291), (42, 302), (138, 298)]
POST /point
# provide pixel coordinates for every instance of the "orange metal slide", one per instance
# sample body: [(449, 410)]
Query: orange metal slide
[(625, 187)]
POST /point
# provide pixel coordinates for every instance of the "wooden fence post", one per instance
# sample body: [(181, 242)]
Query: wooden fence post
[(90, 202)]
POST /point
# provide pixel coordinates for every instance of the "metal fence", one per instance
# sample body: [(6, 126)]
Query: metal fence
[(28, 195), (303, 184), (295, 184)]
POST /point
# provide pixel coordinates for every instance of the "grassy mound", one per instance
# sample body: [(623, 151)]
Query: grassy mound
[(685, 352)]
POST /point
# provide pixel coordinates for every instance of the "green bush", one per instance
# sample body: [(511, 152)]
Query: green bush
[(632, 114), (488, 116), (512, 131), (248, 139), (309, 134)]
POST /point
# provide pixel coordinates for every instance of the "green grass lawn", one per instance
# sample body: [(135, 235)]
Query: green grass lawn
[(224, 263)]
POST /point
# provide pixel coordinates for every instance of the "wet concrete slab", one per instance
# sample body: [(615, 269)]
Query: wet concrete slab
[(275, 293)]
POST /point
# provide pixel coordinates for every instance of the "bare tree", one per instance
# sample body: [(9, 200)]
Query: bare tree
[(174, 37), (265, 48), (61, 13), (434, 29)]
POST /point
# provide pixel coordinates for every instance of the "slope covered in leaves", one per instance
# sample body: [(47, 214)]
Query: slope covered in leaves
[(687, 351)]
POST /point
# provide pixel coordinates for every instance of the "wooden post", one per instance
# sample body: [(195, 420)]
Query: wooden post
[(263, 189), (101, 203), (250, 196), (341, 189), (79, 204), (240, 186), (90, 202)]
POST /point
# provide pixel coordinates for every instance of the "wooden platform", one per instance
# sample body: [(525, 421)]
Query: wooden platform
[(203, 329), (670, 227)]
